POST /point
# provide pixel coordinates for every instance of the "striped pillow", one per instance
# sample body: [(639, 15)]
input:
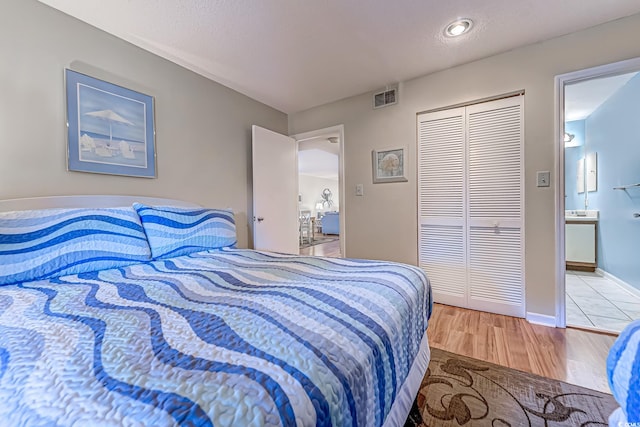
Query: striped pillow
[(174, 231), (623, 371), (42, 244)]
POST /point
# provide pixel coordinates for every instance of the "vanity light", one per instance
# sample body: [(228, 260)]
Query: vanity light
[(568, 137), (458, 27)]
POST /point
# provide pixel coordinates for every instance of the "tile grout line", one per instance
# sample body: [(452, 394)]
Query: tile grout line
[(613, 284), (623, 311), (620, 288), (585, 314), (599, 289)]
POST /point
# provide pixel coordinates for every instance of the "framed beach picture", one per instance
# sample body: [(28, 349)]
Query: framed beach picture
[(388, 165), (111, 129)]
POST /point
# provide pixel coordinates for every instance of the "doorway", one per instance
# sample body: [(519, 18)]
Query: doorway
[(598, 214), (321, 192)]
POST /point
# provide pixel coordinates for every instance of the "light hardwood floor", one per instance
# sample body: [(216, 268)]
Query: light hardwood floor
[(329, 249), (571, 355)]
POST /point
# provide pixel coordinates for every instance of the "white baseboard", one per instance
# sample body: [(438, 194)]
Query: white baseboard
[(541, 319), (632, 289)]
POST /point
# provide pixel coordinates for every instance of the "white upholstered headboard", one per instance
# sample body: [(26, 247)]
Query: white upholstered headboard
[(86, 202)]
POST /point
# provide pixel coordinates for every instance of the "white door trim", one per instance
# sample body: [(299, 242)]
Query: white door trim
[(341, 178), (621, 67)]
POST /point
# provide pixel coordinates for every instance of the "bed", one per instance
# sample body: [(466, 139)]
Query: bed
[(175, 326)]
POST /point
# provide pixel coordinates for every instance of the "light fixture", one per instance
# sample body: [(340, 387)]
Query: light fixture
[(568, 137), (458, 27)]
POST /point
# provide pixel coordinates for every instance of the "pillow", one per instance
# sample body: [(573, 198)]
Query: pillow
[(174, 231), (42, 244), (623, 372)]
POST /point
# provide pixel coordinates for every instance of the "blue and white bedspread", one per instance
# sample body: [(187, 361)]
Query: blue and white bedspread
[(222, 338)]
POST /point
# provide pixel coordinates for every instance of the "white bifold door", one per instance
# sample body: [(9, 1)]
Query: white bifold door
[(470, 205)]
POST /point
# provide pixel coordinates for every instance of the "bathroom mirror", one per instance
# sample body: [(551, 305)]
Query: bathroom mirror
[(574, 153), (591, 171), (587, 173), (580, 163), (580, 177)]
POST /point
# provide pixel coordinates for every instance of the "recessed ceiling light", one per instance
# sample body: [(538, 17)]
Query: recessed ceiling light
[(458, 27)]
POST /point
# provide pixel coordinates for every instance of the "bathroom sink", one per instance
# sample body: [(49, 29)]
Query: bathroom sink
[(581, 215)]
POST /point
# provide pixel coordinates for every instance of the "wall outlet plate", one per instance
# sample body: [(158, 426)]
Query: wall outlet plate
[(359, 190)]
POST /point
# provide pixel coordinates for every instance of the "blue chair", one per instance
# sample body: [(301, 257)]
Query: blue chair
[(623, 372), (331, 223)]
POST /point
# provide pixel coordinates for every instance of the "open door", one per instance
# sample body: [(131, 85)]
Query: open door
[(275, 191)]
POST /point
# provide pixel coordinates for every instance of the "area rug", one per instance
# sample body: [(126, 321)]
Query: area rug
[(319, 241), (460, 391)]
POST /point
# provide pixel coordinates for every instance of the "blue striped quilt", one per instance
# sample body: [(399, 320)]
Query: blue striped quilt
[(222, 338)]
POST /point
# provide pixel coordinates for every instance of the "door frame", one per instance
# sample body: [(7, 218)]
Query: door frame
[(620, 67), (341, 184)]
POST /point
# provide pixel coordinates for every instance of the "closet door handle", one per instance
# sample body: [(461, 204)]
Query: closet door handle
[(636, 215)]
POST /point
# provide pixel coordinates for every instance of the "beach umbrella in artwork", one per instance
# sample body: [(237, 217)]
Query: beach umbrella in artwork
[(110, 116)]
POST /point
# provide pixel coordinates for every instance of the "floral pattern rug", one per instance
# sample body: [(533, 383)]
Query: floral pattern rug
[(461, 391)]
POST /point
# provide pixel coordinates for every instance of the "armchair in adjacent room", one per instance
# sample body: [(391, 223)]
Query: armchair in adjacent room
[(331, 223)]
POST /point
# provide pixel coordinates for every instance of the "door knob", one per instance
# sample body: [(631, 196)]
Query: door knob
[(260, 219)]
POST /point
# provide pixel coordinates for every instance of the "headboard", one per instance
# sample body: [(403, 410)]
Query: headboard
[(86, 202)]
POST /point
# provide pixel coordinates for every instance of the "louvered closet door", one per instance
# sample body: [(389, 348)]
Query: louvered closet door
[(470, 205), (441, 204), (495, 206)]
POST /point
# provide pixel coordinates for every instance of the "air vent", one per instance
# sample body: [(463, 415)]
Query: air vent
[(385, 98)]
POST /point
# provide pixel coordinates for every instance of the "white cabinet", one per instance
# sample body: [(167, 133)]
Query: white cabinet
[(580, 245)]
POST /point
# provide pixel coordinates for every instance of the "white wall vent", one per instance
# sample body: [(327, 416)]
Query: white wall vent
[(387, 97)]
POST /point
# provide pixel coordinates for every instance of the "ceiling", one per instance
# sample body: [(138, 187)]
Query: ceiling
[(297, 54), (583, 98), (319, 158)]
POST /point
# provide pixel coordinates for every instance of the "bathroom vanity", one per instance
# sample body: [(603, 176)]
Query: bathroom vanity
[(580, 240)]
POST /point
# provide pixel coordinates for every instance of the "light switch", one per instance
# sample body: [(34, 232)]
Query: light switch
[(359, 190), (544, 178)]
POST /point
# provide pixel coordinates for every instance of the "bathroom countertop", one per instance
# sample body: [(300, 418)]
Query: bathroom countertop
[(581, 216)]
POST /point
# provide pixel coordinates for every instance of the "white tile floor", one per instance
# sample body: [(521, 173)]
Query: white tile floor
[(597, 302)]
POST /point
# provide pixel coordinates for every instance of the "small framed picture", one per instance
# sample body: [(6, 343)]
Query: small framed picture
[(388, 165), (111, 129)]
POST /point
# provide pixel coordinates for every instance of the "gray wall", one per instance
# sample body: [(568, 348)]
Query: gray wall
[(383, 223), (203, 128)]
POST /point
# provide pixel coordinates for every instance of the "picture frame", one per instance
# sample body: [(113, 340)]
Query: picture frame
[(111, 129), (389, 165)]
